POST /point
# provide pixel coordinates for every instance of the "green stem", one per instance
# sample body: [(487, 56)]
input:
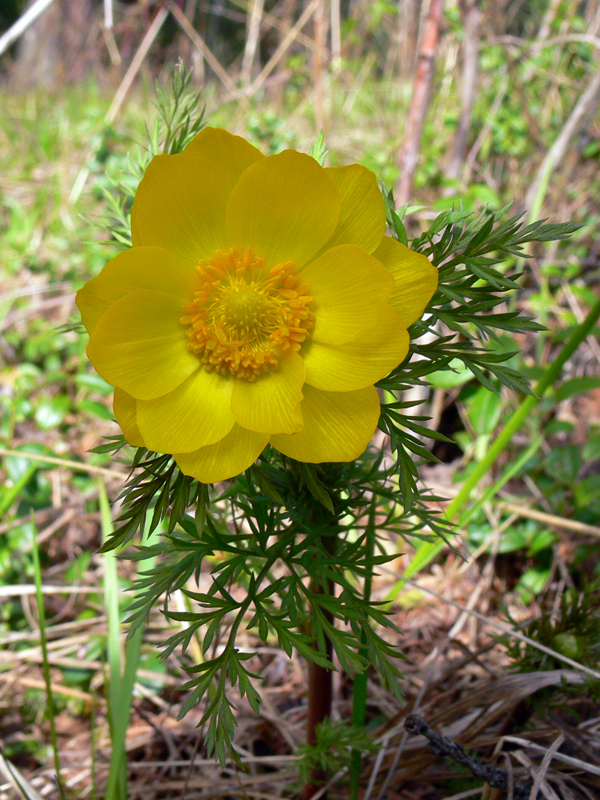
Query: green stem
[(429, 550), (359, 689)]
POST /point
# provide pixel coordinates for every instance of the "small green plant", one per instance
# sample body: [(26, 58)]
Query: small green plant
[(573, 631), (333, 749)]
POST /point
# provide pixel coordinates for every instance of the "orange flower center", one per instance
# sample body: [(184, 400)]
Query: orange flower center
[(244, 317)]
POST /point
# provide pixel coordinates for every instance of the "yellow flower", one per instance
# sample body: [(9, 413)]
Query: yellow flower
[(258, 305)]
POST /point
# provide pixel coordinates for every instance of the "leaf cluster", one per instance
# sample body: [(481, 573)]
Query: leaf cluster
[(297, 569), (474, 254), (333, 749)]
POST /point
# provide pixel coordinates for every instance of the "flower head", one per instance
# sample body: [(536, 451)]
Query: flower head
[(259, 304)]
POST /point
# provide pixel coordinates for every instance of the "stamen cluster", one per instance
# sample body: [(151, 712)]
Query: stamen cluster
[(244, 317)]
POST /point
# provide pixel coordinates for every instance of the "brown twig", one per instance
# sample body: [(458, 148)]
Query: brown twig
[(254, 21), (407, 159), (471, 14), (201, 45), (320, 694), (283, 47), (443, 746), (135, 65), (122, 91), (582, 112), (319, 33)]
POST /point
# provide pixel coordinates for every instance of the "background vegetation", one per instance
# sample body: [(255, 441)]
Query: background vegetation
[(510, 117)]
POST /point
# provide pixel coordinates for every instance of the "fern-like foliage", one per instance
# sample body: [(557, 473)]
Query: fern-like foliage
[(474, 253), (180, 117)]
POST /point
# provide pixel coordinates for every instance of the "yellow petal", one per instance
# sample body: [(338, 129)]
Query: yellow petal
[(233, 454), (361, 362), (180, 205), (362, 210), (338, 426), (136, 268), (140, 346), (195, 414), (349, 289), (271, 403), (284, 207), (231, 153), (124, 406), (415, 276)]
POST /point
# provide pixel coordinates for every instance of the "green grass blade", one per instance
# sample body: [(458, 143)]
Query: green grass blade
[(39, 597), (121, 684), (116, 788), (10, 774), (10, 493), (506, 476), (93, 750)]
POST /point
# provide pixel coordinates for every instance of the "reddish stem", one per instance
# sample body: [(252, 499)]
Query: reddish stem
[(320, 690), (320, 693), (407, 160)]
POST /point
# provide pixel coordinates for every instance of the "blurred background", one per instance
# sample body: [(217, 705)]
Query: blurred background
[(496, 85), (468, 103)]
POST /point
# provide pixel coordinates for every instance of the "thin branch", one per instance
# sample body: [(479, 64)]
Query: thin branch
[(444, 746), (77, 466), (135, 65), (21, 25), (407, 159), (283, 47), (199, 42), (254, 21), (471, 12), (584, 109)]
